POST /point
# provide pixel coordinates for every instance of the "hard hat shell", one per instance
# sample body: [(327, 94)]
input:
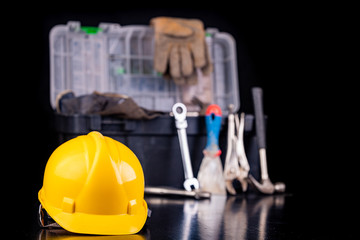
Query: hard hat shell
[(94, 185)]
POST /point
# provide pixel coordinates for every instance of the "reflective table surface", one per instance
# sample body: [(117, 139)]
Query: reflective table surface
[(249, 216)]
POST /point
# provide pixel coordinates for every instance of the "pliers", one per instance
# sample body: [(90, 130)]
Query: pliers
[(236, 164)]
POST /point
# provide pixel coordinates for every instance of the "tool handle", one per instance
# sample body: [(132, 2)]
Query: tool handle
[(185, 154), (257, 94), (213, 124)]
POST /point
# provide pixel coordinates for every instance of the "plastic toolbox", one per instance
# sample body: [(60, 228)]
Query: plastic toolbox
[(119, 59)]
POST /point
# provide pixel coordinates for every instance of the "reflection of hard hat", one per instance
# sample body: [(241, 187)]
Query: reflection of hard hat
[(61, 234), (95, 185)]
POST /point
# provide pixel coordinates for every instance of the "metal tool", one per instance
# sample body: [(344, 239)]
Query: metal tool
[(179, 110), (236, 163), (45, 220), (166, 191), (266, 186), (210, 173)]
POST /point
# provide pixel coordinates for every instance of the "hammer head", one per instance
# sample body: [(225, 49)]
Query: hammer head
[(266, 186)]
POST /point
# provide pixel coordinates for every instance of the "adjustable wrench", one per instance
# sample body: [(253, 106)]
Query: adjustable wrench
[(179, 110)]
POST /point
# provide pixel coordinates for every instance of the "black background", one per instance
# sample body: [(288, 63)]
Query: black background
[(299, 54)]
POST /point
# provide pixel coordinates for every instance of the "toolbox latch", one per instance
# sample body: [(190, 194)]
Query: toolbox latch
[(129, 125), (73, 26), (95, 122)]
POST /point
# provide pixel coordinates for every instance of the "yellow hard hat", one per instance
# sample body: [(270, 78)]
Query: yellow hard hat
[(94, 185)]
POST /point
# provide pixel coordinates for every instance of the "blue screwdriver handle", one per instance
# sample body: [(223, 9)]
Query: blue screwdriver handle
[(213, 124)]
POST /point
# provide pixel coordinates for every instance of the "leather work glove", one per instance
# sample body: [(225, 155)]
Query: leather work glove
[(105, 104), (180, 49)]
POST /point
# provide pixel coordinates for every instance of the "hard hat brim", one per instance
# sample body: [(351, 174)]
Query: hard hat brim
[(84, 223)]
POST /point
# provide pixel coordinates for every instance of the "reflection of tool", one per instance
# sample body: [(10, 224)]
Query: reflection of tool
[(235, 154), (262, 209), (165, 191), (210, 174), (210, 217), (179, 110), (236, 211), (266, 186), (252, 212), (190, 210)]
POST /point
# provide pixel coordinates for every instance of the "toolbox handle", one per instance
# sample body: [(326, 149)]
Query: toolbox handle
[(90, 30), (257, 94)]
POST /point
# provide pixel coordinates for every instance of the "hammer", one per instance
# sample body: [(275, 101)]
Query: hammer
[(266, 186)]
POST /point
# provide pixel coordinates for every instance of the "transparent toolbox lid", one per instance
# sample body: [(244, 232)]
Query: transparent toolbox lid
[(119, 59)]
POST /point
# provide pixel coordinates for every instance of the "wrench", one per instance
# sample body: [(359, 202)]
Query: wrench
[(179, 110), (167, 191)]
